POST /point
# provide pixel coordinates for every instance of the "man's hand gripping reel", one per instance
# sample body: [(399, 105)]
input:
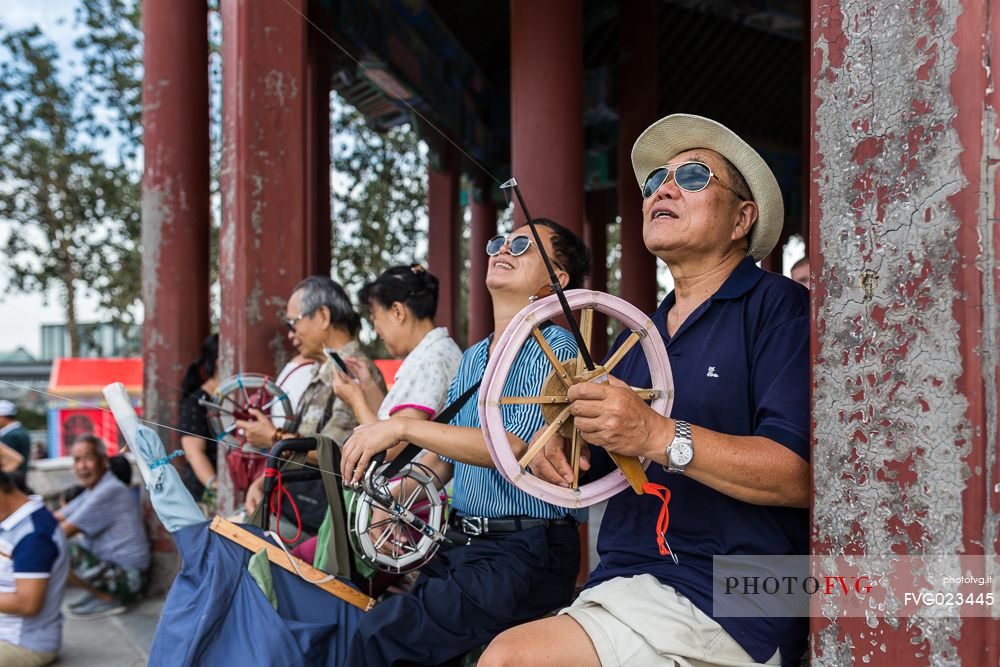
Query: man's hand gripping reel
[(630, 466)]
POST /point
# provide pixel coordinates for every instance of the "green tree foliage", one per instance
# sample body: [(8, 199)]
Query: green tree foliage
[(111, 47), (75, 213), (379, 199)]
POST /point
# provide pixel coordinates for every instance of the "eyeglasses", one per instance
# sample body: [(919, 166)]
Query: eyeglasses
[(290, 323), (689, 176), (518, 245)]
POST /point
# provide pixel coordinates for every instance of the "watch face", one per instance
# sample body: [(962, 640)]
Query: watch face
[(681, 453)]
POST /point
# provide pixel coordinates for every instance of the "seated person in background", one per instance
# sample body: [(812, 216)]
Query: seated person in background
[(112, 559), (33, 566), (800, 271), (200, 449), (10, 459), (318, 315), (402, 303), (13, 434)]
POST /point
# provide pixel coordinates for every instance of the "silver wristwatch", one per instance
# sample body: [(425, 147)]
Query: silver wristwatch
[(680, 450)]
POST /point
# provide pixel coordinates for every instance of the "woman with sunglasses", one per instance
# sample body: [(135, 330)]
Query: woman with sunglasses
[(514, 557)]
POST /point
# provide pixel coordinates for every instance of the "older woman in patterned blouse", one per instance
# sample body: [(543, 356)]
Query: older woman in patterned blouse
[(402, 303)]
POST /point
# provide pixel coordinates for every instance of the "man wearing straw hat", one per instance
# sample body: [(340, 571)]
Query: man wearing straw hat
[(734, 454)]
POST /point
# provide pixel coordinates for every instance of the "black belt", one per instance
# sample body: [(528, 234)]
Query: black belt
[(481, 526)]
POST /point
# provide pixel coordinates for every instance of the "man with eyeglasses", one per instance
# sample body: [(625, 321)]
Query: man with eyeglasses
[(516, 557), (318, 316), (734, 452)]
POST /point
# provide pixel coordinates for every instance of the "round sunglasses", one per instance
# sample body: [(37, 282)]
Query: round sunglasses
[(689, 176), (518, 245)]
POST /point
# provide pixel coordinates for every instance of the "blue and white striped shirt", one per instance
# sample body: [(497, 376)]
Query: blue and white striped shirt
[(483, 491)]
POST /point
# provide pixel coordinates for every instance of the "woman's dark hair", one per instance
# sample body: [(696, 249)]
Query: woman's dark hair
[(13, 481), (413, 286), (203, 367), (323, 292), (571, 253)]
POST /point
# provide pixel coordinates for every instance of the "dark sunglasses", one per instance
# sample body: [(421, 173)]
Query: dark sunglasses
[(290, 323), (689, 176), (518, 245)]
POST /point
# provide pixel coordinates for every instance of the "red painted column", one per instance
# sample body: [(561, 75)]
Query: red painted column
[(175, 202), (483, 228), (263, 245), (638, 68), (546, 80), (442, 234), (905, 344), (317, 129)]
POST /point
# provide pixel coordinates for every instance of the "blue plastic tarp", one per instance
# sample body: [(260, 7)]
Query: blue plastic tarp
[(215, 613)]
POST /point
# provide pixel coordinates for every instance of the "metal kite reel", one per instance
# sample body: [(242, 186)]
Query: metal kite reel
[(407, 532), (234, 399)]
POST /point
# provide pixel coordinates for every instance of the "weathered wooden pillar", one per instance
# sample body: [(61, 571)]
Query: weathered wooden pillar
[(483, 227), (317, 128), (904, 247), (175, 202), (263, 245), (601, 206), (638, 65), (442, 234), (546, 89)]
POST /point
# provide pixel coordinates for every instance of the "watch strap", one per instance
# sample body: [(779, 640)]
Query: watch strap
[(682, 433)]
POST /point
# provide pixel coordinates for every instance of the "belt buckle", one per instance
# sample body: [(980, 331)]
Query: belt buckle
[(474, 525)]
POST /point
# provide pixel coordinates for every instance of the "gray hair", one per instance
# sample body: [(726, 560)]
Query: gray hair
[(321, 291), (99, 447)]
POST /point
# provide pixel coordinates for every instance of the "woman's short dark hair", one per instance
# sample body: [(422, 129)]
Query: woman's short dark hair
[(411, 285), (13, 481), (324, 292), (571, 253), (203, 367)]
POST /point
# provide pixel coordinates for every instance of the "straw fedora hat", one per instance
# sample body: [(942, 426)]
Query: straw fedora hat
[(674, 134)]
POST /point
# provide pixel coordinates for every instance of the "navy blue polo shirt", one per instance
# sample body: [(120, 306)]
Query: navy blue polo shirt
[(740, 365)]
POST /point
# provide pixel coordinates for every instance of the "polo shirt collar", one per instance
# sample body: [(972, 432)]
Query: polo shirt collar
[(740, 281), (10, 427), (17, 516)]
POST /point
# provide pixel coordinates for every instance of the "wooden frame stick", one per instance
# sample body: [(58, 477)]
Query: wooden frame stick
[(278, 557)]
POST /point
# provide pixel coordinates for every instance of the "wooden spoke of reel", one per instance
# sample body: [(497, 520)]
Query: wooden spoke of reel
[(515, 463)]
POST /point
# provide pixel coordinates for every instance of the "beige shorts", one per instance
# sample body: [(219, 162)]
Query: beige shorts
[(12, 655), (639, 621)]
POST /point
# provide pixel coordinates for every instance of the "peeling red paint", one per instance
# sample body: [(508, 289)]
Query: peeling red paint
[(867, 149), (831, 28), (902, 472), (901, 301), (923, 72)]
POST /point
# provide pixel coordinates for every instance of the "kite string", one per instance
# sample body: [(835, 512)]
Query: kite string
[(151, 423)]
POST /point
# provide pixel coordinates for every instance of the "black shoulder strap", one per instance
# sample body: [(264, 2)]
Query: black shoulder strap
[(445, 416)]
